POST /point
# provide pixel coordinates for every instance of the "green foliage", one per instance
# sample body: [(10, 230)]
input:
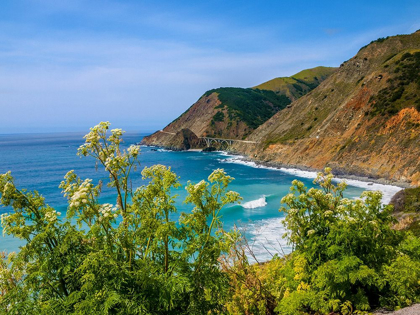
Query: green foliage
[(348, 255), (219, 116), (135, 258), (389, 100), (252, 106), (408, 200), (299, 84), (127, 258)]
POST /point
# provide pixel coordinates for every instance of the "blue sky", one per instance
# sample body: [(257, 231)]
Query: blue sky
[(66, 65)]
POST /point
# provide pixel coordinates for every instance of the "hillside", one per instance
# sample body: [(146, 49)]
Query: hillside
[(299, 84), (364, 119), (234, 113)]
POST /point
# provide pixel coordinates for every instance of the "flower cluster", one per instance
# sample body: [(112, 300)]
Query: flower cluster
[(115, 136), (52, 215), (107, 211), (328, 213), (133, 150), (115, 162), (80, 195)]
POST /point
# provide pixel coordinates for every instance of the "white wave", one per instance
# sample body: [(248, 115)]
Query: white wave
[(257, 203), (265, 239), (388, 191)]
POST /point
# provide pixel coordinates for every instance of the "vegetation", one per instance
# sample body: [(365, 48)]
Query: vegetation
[(134, 258), (379, 40), (219, 116), (347, 259), (299, 84), (406, 81), (128, 258), (407, 207), (253, 107)]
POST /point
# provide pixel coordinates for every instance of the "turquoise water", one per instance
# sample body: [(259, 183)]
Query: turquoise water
[(40, 161)]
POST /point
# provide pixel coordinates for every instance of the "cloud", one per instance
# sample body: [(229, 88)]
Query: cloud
[(135, 65)]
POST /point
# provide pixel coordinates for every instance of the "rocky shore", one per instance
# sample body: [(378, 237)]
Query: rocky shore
[(412, 310)]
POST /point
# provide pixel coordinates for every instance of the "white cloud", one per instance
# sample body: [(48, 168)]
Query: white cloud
[(72, 77)]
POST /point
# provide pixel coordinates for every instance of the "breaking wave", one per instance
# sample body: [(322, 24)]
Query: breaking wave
[(257, 203)]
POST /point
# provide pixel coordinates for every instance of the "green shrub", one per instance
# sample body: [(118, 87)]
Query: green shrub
[(219, 116), (350, 258), (128, 258), (388, 100)]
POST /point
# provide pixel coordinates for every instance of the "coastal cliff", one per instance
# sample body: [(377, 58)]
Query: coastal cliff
[(362, 119), (234, 113)]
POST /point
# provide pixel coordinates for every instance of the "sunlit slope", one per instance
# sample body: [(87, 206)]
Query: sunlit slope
[(299, 84), (363, 119)]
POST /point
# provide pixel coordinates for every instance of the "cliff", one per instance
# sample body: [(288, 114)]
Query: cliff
[(364, 119), (234, 113)]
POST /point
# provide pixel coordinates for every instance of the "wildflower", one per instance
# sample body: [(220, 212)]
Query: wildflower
[(134, 150), (328, 213)]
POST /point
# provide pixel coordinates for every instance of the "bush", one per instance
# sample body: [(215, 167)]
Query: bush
[(348, 255), (128, 258), (251, 106)]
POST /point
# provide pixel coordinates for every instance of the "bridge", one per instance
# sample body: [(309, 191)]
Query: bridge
[(228, 142), (209, 140)]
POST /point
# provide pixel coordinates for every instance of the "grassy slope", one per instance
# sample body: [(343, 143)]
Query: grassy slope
[(299, 84)]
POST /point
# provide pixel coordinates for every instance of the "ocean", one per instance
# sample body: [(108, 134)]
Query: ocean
[(40, 161)]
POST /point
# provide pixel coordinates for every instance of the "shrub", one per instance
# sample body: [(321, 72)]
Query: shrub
[(347, 255), (127, 258)]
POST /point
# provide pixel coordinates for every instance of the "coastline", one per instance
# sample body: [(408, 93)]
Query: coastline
[(387, 187)]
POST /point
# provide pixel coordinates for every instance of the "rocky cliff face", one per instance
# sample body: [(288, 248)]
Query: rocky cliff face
[(228, 113), (364, 119)]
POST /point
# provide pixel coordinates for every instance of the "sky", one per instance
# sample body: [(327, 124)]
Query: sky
[(67, 65)]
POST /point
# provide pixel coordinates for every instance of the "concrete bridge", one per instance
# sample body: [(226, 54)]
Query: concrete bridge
[(228, 142), (209, 140)]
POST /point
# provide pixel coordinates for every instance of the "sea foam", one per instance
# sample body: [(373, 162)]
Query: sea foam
[(266, 239), (388, 191), (257, 203)]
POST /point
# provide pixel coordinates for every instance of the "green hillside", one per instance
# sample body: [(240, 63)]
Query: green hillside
[(252, 106), (299, 84)]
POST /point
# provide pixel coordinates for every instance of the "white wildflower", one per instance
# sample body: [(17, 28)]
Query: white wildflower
[(328, 213), (133, 150)]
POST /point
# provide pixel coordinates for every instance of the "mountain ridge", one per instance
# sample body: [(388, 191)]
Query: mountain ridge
[(363, 119), (341, 124)]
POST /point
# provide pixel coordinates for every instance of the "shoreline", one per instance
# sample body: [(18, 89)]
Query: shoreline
[(387, 187)]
